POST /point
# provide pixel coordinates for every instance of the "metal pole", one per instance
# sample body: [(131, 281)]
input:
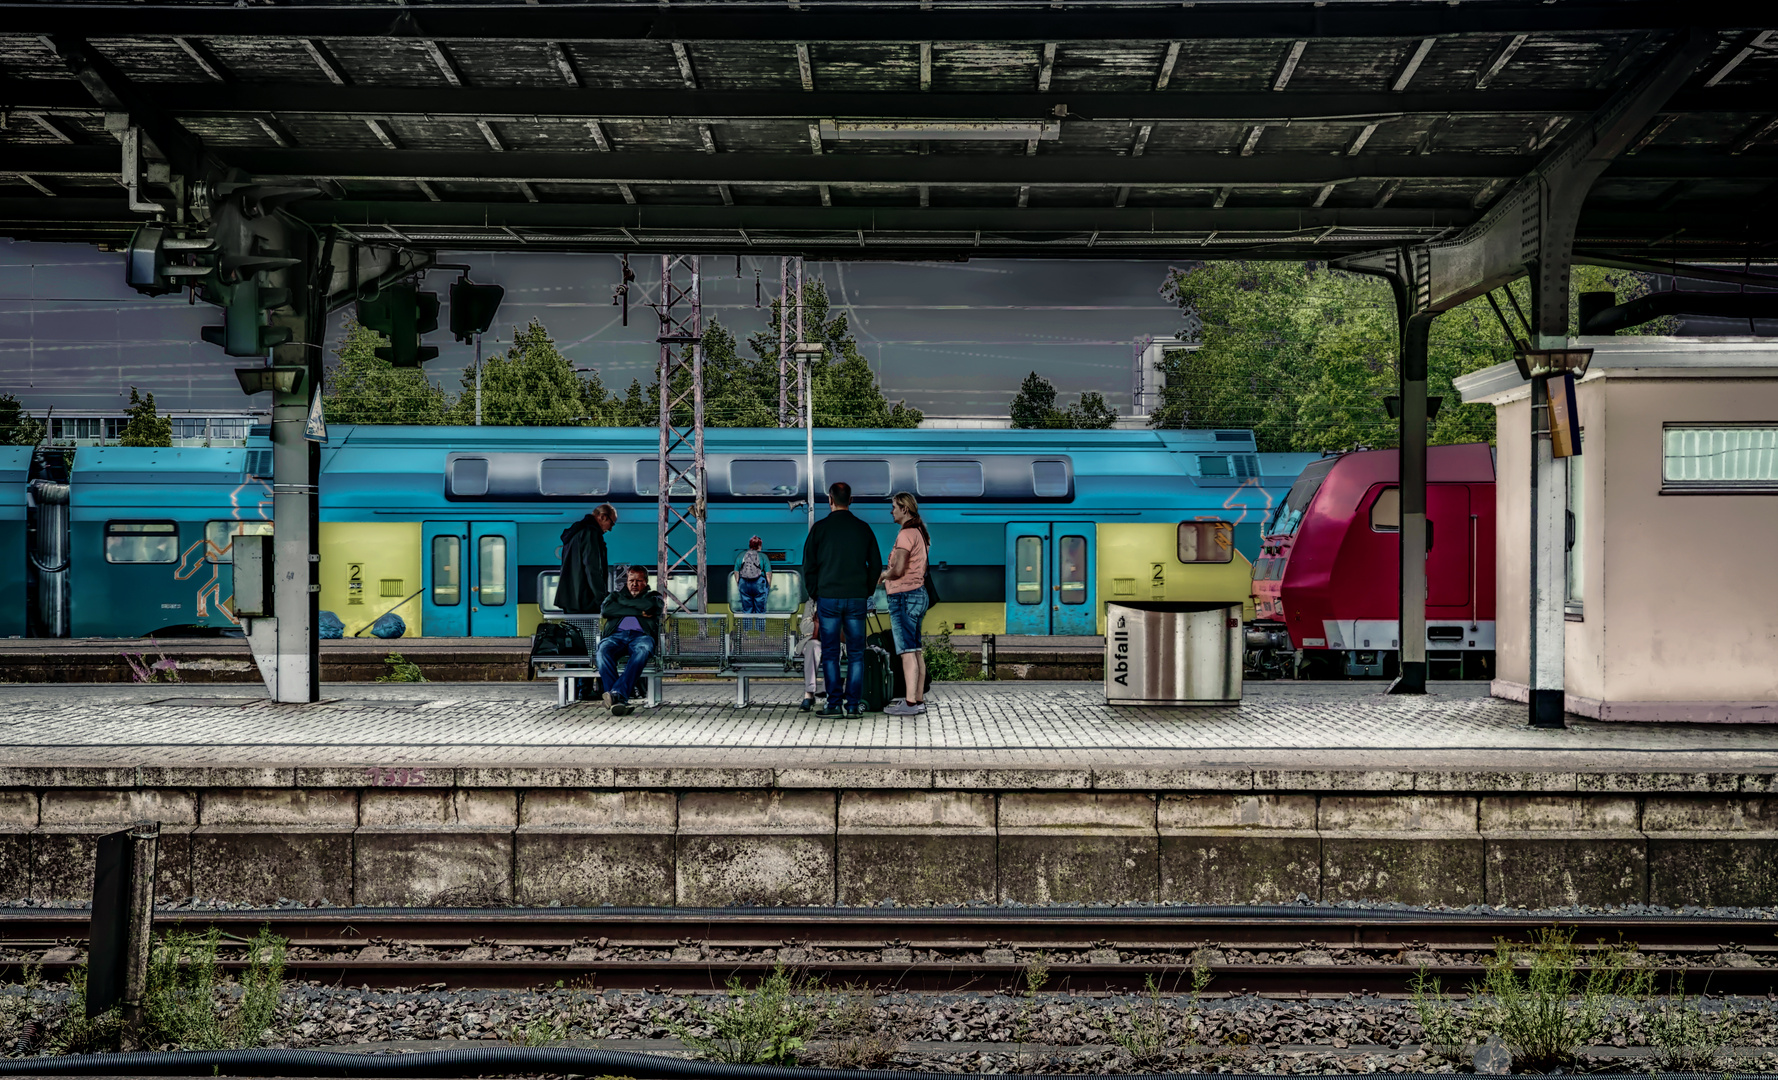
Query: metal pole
[(296, 505), (478, 380), (699, 472), (1413, 535), (783, 351)]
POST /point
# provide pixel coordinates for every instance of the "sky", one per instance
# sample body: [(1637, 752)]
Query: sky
[(949, 338)]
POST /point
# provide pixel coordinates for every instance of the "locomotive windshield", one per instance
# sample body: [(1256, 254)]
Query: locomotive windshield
[(1290, 512)]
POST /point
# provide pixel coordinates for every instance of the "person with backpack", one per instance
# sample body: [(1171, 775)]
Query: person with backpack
[(904, 579), (841, 564), (753, 573)]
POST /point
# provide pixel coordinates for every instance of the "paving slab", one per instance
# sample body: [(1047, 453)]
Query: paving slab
[(1058, 735)]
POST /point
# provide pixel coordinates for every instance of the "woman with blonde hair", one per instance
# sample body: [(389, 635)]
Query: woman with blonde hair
[(905, 581)]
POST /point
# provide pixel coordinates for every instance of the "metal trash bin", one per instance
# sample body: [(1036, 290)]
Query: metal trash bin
[(1173, 653)]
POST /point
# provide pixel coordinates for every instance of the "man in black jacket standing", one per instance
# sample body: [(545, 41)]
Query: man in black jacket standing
[(586, 567), (841, 563)]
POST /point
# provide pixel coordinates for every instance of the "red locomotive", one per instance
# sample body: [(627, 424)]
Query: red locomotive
[(1326, 587)]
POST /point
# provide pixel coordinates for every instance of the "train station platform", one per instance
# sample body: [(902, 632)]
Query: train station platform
[(1032, 792)]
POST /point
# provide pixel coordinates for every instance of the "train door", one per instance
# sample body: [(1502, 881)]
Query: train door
[(469, 578), (1448, 566), (1049, 578)]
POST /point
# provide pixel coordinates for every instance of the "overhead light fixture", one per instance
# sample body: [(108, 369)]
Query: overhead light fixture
[(1552, 361), (282, 379), (967, 130), (807, 348)]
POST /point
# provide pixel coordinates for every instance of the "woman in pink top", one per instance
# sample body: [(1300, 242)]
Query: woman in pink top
[(905, 581)]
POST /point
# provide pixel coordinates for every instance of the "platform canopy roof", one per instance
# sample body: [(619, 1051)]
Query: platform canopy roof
[(923, 128)]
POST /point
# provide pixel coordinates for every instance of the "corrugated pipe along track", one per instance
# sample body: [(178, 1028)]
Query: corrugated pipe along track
[(507, 1060), (1272, 951)]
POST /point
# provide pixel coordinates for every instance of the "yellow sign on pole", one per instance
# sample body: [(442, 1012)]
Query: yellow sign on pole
[(1564, 415)]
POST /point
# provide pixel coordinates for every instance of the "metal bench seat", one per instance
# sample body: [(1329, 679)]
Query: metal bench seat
[(739, 647)]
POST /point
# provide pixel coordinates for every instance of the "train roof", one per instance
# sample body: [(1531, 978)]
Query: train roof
[(1471, 463), (791, 440)]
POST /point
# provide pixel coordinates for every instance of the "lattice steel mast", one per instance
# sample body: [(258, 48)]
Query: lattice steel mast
[(681, 496)]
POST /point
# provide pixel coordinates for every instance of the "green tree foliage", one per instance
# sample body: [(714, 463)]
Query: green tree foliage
[(1304, 354), (363, 389), (531, 383), (845, 389), (145, 427), (1034, 406), (16, 428)]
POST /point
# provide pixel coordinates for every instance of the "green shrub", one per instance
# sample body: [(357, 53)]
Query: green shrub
[(945, 664), (1546, 1011), (1686, 1039), (401, 669), (767, 1025), (183, 979)]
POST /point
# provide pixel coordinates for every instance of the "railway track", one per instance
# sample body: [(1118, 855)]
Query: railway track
[(1270, 951)]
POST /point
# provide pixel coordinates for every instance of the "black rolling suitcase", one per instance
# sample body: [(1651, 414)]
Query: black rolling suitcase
[(885, 639), (879, 685)]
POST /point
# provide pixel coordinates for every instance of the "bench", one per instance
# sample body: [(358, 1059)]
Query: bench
[(739, 647)]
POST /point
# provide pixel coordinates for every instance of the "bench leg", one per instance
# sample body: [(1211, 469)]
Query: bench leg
[(654, 692), (563, 695), (742, 697)]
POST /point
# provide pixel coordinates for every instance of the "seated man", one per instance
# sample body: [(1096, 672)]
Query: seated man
[(631, 624)]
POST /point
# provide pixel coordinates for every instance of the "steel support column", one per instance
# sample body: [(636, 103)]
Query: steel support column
[(1413, 538), (681, 498), (296, 491)]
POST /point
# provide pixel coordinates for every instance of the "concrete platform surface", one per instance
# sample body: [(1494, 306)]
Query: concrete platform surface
[(1019, 725)]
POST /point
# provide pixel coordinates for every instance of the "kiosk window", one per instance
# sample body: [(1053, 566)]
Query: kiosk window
[(1719, 457)]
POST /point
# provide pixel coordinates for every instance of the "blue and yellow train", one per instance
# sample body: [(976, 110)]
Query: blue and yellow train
[(457, 529)]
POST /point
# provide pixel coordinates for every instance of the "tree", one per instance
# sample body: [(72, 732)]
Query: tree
[(1090, 413), (1034, 405), (1304, 354), (16, 428), (531, 383), (846, 392), (145, 428), (363, 389)]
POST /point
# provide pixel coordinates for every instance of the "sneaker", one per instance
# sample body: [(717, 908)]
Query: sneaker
[(855, 714), (831, 712), (899, 707), (807, 705), (609, 699), (620, 707), (919, 707)]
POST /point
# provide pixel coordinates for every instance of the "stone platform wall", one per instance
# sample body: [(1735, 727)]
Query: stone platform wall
[(710, 837)]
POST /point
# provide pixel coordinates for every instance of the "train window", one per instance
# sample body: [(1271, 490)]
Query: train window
[(1290, 512), (1213, 465), (1386, 511), (469, 476), (547, 581), (220, 536), (1719, 457), (574, 476), (648, 477), (867, 478), (1206, 542), (1028, 578), (1071, 569), (490, 570), (948, 478), (763, 476), (447, 570), (1049, 479), (782, 596), (141, 542)]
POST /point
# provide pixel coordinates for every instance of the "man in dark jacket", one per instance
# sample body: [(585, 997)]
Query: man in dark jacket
[(632, 624), (586, 568), (841, 563)]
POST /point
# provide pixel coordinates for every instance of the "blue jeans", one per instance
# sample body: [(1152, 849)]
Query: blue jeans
[(906, 609), (640, 647), (753, 599), (832, 614)]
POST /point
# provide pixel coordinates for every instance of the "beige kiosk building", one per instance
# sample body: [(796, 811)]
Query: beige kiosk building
[(1672, 573)]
